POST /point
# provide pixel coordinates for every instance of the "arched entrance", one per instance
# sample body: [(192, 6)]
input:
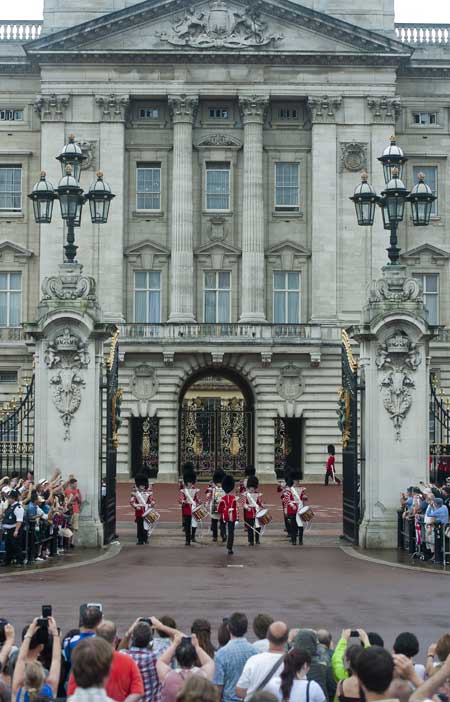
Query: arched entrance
[(216, 423)]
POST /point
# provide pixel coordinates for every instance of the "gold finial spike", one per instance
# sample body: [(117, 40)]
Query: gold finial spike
[(395, 172), (68, 169), (392, 139), (364, 176), (421, 177), (99, 174), (71, 138), (42, 175)]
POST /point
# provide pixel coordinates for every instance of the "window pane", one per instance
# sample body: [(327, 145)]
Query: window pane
[(218, 188), (431, 282), (3, 281), (223, 311), (140, 280), (293, 308), (154, 301), (431, 304), (286, 184), (10, 187), (210, 279), (140, 307), (224, 279), (14, 309), (293, 281), (154, 280), (210, 307), (3, 309), (279, 280), (279, 308)]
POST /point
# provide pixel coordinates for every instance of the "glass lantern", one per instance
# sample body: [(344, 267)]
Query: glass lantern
[(43, 195), (99, 197)]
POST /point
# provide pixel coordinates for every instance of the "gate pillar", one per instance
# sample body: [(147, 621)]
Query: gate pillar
[(394, 340), (69, 335)]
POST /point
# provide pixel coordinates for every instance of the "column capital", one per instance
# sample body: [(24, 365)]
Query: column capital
[(253, 108), (183, 108), (323, 108), (52, 108), (113, 107), (384, 109)]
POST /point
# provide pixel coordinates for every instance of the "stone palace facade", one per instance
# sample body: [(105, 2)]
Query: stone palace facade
[(232, 135)]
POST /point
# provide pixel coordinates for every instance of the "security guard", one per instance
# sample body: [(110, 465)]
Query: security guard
[(12, 527)]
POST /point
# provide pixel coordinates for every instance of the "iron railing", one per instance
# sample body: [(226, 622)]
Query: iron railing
[(412, 33), (17, 434), (439, 426), (20, 30)]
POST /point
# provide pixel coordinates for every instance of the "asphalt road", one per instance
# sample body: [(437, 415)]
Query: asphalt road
[(314, 586)]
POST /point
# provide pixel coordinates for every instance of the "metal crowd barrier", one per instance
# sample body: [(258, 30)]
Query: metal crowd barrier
[(48, 535), (414, 541)]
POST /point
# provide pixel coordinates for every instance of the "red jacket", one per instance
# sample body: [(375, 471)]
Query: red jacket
[(330, 465), (147, 496), (290, 503), (228, 508), (186, 503), (249, 510)]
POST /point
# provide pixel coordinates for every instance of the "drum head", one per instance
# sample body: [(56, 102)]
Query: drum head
[(261, 513), (304, 509)]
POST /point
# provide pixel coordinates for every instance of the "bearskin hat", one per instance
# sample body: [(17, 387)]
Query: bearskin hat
[(250, 470), (218, 476), (189, 474), (252, 481), (331, 450), (295, 475), (228, 483), (141, 481)]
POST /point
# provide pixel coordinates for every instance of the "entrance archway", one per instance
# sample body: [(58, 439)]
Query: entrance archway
[(216, 423)]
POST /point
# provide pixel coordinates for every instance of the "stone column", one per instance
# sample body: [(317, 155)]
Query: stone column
[(112, 110), (183, 109), (253, 111), (69, 335), (394, 339), (324, 208), (52, 110)]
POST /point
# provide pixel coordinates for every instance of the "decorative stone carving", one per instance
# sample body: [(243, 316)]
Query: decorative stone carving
[(384, 109), (88, 149), (266, 359), (253, 107), (217, 359), (67, 355), (113, 107), (324, 108), (398, 356), (168, 358), (396, 288), (353, 156), (289, 384), (217, 231), (51, 108), (183, 107), (69, 285), (143, 384), (314, 358), (220, 140), (220, 27)]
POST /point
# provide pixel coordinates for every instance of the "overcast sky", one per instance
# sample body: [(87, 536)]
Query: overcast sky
[(406, 10)]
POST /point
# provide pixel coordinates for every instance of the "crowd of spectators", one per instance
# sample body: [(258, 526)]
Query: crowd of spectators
[(38, 520), (153, 661), (425, 512)]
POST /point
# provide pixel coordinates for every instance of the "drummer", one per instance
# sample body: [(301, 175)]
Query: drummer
[(214, 494), (293, 499), (249, 472), (252, 505), (189, 499), (142, 501)]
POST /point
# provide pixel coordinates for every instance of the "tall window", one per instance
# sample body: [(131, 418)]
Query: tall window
[(147, 297), (217, 186), (286, 297), (10, 299), (148, 186), (430, 285), (10, 187), (430, 173), (287, 186), (217, 296)]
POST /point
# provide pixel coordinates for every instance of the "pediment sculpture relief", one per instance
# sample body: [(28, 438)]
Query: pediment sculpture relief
[(220, 27)]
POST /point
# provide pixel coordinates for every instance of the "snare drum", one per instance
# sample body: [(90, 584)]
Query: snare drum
[(306, 514), (152, 516), (200, 512), (264, 517)]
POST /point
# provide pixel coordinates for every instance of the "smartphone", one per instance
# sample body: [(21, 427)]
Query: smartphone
[(354, 634), (42, 623), (84, 607), (46, 611), (186, 639), (146, 620)]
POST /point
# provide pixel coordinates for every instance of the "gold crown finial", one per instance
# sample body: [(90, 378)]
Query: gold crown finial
[(68, 169), (99, 174), (421, 177), (395, 172), (71, 138), (43, 174), (364, 176), (392, 139)]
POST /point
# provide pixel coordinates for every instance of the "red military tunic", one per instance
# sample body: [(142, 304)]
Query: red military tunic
[(187, 505), (228, 508), (249, 510), (139, 508), (290, 503)]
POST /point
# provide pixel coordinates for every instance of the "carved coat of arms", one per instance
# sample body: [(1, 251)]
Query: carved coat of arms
[(143, 384), (221, 27), (289, 384)]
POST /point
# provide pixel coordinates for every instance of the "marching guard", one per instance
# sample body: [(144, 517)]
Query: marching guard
[(252, 505), (214, 494), (293, 499), (189, 499), (142, 500), (228, 510), (249, 472), (281, 489)]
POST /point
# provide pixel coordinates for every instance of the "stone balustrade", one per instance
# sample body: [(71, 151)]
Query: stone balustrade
[(229, 333), (8, 334), (410, 33), (20, 30)]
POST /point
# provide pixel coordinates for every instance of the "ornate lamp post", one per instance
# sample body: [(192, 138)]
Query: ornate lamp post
[(393, 199), (71, 196)]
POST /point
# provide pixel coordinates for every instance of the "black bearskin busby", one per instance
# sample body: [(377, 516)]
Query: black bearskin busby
[(141, 481), (331, 450), (250, 470), (252, 481), (218, 476), (189, 474), (228, 484)]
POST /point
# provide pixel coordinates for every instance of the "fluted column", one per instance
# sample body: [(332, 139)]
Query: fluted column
[(253, 110), (183, 109)]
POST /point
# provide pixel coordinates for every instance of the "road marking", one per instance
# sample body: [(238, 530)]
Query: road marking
[(234, 566)]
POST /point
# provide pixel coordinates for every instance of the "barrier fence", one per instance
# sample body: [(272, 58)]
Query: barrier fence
[(49, 537), (415, 538)]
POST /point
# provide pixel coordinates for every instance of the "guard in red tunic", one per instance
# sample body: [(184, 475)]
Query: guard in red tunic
[(142, 501), (293, 499), (249, 472), (228, 510), (189, 499), (281, 488), (330, 468), (214, 494), (252, 505)]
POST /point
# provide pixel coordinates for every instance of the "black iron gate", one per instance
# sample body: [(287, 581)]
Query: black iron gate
[(288, 445), (348, 423), (216, 433), (113, 421), (17, 433), (439, 432)]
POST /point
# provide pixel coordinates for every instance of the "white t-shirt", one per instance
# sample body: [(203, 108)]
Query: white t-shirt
[(256, 669), (262, 645), (420, 670), (298, 692)]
